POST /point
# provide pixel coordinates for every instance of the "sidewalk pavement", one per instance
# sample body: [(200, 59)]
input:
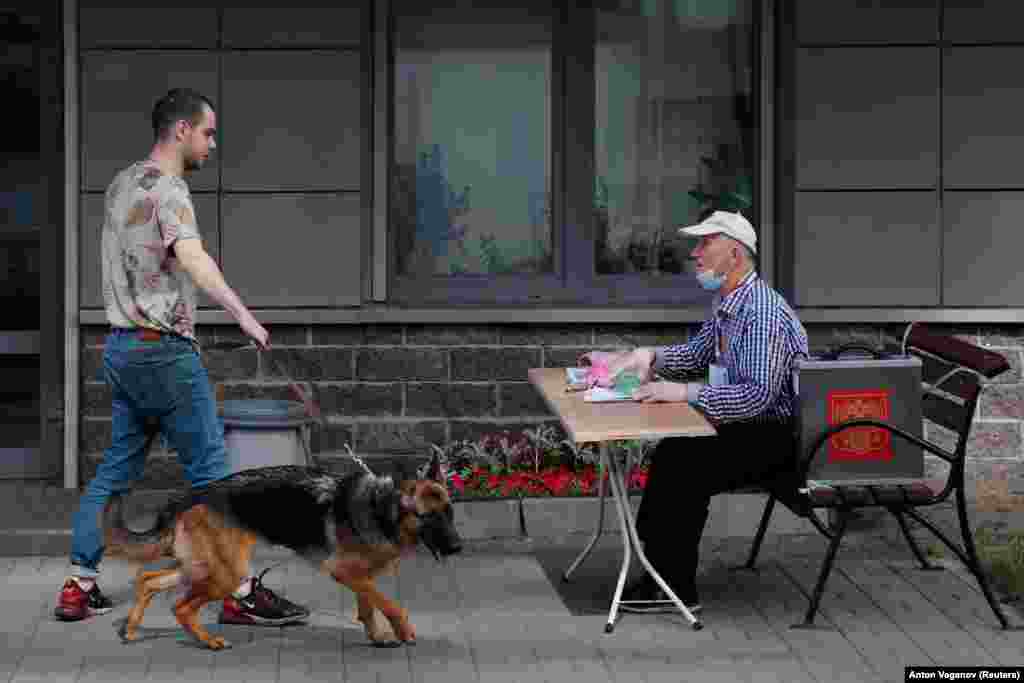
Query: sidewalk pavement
[(499, 612)]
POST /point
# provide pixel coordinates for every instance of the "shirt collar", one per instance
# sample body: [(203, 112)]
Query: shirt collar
[(729, 305)]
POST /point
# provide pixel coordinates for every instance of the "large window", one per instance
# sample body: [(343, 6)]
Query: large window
[(472, 139), (549, 152)]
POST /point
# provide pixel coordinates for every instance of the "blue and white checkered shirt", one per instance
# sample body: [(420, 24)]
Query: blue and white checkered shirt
[(762, 338)]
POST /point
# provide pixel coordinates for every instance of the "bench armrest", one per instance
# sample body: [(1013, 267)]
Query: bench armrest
[(805, 463)]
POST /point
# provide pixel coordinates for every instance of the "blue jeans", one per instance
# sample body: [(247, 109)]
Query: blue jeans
[(164, 383)]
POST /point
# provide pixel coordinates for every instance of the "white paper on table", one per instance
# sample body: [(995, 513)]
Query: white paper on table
[(603, 395), (576, 375)]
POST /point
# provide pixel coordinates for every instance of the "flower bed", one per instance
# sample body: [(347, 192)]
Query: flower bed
[(531, 464), (483, 481)]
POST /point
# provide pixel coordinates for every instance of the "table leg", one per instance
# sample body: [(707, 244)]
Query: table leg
[(630, 540), (602, 491), (627, 545)]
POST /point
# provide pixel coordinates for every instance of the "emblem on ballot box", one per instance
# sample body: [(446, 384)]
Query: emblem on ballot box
[(859, 443)]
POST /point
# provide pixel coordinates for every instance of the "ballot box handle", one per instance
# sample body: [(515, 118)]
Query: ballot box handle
[(852, 346)]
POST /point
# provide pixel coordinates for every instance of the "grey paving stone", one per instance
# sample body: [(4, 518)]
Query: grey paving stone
[(506, 616)]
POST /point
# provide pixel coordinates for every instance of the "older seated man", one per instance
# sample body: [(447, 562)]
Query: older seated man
[(746, 350)]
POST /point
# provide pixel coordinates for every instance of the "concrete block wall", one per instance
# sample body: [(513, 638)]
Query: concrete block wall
[(391, 390)]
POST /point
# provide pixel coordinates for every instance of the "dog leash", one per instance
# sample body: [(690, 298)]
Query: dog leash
[(358, 460), (310, 402)]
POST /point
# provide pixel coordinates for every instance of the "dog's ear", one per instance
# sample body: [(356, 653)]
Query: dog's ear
[(421, 471)]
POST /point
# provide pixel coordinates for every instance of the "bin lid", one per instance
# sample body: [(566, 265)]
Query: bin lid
[(263, 413)]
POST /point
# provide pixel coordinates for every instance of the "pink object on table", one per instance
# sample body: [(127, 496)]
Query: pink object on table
[(597, 363)]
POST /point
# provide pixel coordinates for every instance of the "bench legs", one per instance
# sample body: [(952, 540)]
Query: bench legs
[(836, 537), (901, 518), (970, 558), (759, 537)]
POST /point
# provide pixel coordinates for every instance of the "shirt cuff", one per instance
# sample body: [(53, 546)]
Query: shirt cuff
[(658, 365)]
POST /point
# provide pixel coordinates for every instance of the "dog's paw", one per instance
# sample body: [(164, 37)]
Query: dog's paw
[(406, 632), (386, 643), (128, 636), (378, 636), (218, 643)]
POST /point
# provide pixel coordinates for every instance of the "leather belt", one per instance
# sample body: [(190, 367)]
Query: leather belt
[(147, 334)]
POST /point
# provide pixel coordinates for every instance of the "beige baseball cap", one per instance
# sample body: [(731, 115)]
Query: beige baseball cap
[(728, 223)]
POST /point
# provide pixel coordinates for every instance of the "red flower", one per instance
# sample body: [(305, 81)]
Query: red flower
[(458, 483), (637, 478), (558, 481)]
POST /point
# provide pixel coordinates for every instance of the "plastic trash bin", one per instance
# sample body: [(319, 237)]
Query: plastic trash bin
[(262, 433)]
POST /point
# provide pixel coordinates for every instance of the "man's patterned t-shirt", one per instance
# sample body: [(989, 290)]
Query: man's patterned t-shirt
[(145, 212)]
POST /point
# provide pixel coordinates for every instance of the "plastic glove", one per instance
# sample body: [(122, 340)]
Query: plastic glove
[(597, 357), (611, 369), (598, 364)]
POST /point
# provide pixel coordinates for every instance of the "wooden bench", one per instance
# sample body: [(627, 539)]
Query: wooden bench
[(951, 373)]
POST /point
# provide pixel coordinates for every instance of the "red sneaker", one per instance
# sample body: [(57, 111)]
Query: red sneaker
[(75, 604)]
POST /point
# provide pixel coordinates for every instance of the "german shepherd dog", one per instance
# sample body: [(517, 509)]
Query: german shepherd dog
[(353, 527)]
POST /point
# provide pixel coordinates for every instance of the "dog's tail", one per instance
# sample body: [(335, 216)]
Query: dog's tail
[(138, 546)]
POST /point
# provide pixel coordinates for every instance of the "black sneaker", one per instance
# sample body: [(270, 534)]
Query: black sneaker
[(646, 597), (75, 604), (261, 606)]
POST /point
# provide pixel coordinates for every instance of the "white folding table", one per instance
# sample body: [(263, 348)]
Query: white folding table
[(615, 421)]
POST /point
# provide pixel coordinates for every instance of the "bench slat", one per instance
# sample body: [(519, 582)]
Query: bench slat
[(958, 352), (961, 384)]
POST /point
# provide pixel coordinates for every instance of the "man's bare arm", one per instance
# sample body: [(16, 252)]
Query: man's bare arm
[(206, 274)]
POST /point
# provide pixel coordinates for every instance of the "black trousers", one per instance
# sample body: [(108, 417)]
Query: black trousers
[(686, 471)]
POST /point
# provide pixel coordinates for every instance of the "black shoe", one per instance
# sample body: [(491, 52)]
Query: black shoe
[(261, 606), (646, 597)]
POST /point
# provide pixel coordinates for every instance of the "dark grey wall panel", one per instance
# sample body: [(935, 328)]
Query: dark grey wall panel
[(867, 117), (286, 26), (856, 21), (291, 120), (293, 249), (91, 231), (983, 107), (110, 24), (867, 249), (119, 90), (982, 250), (970, 21)]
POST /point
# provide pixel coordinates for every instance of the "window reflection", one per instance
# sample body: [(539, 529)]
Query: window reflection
[(674, 130), (471, 172)]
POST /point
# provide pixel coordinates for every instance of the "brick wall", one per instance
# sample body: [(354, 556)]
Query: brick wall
[(392, 390)]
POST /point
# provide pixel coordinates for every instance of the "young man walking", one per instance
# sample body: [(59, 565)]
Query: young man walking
[(153, 259)]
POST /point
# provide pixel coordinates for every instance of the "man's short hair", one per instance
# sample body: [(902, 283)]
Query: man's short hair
[(177, 105), (750, 252)]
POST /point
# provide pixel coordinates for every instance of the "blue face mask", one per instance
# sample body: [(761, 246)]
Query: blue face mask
[(709, 281)]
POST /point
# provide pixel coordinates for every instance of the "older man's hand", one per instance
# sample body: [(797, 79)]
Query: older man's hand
[(666, 392), (638, 361)]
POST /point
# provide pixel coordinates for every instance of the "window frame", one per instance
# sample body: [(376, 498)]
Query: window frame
[(574, 280)]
